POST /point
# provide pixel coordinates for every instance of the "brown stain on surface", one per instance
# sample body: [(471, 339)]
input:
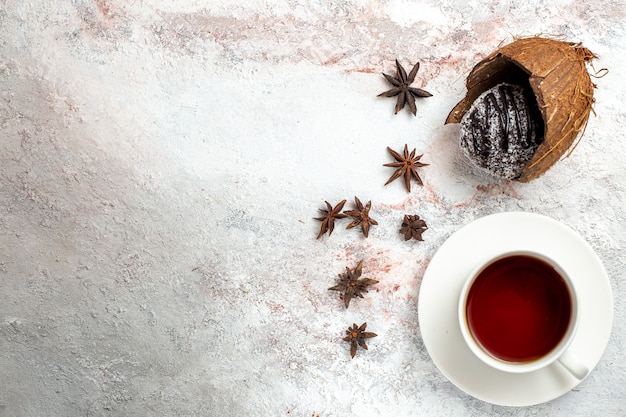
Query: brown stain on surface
[(365, 70), (288, 38), (102, 7)]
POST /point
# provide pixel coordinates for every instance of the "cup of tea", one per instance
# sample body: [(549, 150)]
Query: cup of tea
[(518, 313)]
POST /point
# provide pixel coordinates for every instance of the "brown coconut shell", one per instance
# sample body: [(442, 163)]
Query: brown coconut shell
[(556, 73)]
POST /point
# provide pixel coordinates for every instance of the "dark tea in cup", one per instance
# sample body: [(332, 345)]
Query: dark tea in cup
[(518, 308)]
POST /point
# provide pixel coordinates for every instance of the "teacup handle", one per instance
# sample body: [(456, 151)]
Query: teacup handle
[(573, 365)]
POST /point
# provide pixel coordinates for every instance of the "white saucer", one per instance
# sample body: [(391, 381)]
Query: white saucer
[(475, 243)]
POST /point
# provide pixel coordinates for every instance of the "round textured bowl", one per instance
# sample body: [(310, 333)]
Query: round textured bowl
[(555, 74)]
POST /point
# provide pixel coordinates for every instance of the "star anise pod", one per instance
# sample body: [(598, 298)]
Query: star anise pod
[(351, 285), (356, 335), (402, 88), (406, 165), (413, 227), (361, 216), (328, 219)]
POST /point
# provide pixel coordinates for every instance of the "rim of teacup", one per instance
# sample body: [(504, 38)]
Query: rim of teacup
[(518, 367)]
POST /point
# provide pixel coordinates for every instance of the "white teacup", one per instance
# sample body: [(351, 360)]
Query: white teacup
[(518, 312)]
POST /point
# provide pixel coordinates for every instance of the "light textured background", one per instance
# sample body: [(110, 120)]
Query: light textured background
[(160, 165)]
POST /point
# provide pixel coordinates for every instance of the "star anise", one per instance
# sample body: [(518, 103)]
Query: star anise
[(413, 227), (356, 335), (328, 219), (406, 165), (361, 216), (351, 285), (402, 88)]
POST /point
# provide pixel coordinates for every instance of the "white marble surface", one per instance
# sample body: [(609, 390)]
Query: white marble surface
[(161, 163)]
